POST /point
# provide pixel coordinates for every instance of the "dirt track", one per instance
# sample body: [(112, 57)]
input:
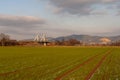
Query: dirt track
[(88, 77), (82, 64)]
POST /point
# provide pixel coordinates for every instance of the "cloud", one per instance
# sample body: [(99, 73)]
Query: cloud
[(118, 6), (78, 7), (99, 12), (20, 26), (20, 21), (118, 14)]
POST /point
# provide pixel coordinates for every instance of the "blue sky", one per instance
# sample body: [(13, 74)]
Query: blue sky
[(24, 18)]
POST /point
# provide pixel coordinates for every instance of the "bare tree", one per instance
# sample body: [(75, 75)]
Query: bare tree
[(4, 38)]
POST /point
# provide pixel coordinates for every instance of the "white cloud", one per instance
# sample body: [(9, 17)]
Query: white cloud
[(20, 21), (78, 7), (20, 26)]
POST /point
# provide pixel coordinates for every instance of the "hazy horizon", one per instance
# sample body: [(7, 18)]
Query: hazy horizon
[(23, 19)]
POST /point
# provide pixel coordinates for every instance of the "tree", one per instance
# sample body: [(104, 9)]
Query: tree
[(70, 42), (73, 42), (4, 38)]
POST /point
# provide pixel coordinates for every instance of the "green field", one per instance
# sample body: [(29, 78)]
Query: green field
[(55, 63)]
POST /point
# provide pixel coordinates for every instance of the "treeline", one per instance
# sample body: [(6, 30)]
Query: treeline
[(70, 42), (117, 43), (6, 41), (74, 42)]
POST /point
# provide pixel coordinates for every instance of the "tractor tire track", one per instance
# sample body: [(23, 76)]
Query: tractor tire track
[(59, 68), (34, 66), (89, 76), (76, 67)]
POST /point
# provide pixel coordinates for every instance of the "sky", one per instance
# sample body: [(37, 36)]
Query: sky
[(23, 19)]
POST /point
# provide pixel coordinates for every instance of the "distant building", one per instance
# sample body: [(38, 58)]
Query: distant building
[(105, 41)]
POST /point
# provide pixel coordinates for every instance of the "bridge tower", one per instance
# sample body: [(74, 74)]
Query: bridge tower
[(42, 39)]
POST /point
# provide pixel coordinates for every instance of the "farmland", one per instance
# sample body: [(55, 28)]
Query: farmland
[(56, 63)]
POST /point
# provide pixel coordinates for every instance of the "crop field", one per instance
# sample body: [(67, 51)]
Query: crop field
[(59, 63)]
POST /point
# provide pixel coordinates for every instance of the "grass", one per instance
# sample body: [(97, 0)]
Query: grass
[(110, 69), (47, 63)]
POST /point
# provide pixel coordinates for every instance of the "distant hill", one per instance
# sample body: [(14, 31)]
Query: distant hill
[(87, 38), (115, 38)]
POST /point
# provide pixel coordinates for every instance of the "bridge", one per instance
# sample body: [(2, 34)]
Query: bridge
[(42, 39)]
